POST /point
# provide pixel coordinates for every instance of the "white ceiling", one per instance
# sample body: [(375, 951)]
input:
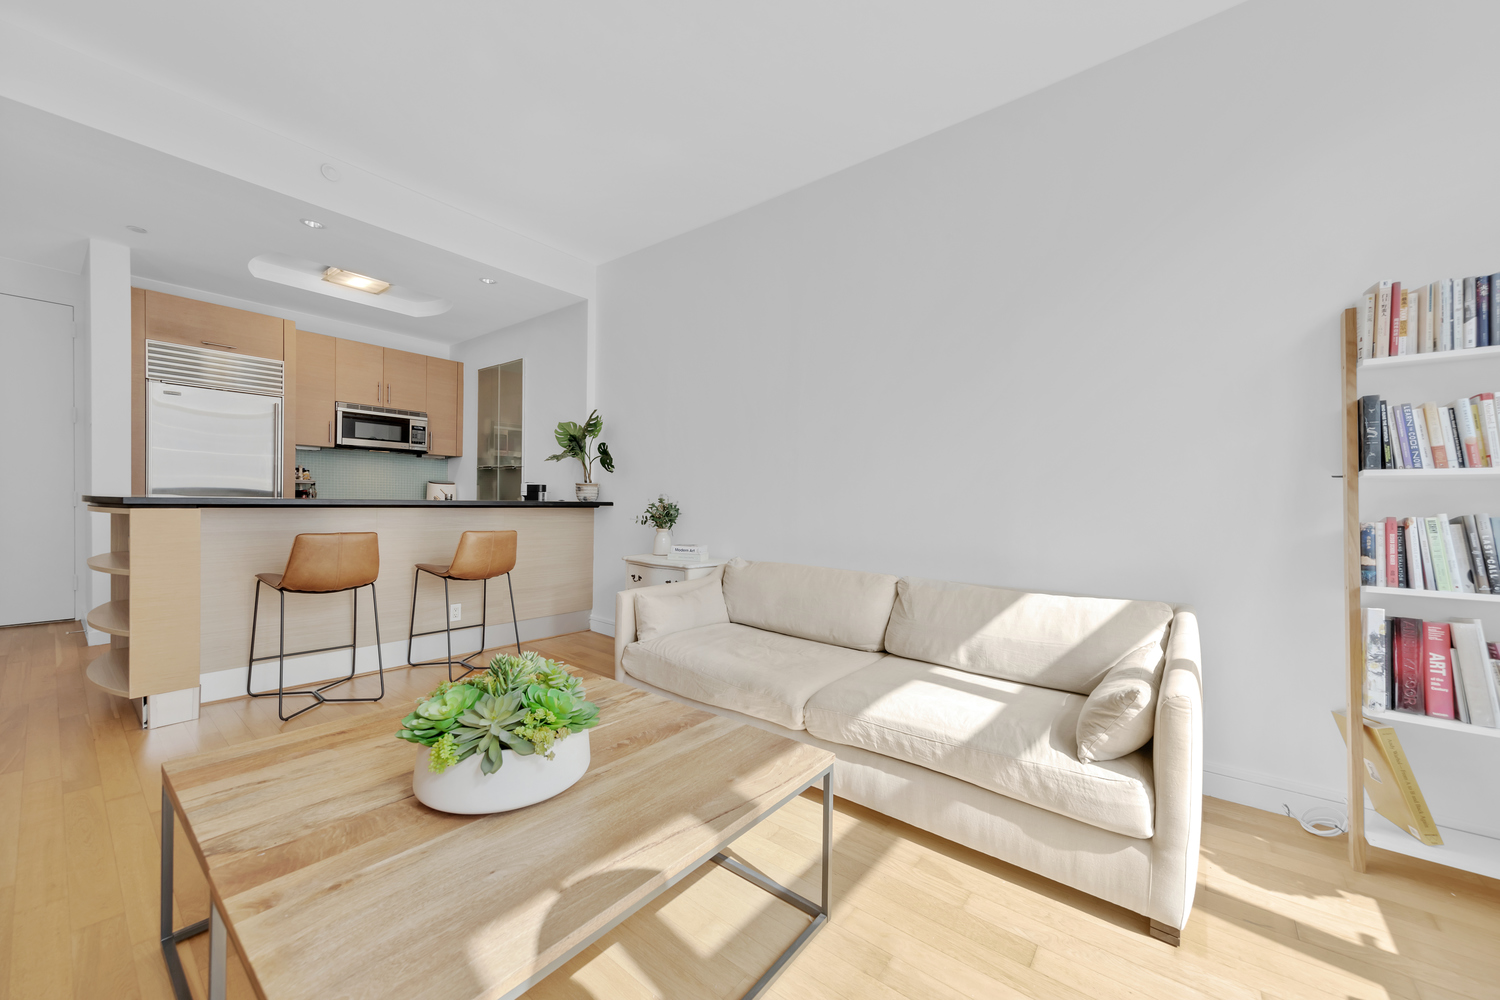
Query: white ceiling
[(598, 127), (61, 183)]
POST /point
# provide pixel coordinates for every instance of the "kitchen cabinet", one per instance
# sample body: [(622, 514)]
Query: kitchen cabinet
[(177, 320), (317, 367), (359, 373), (405, 376), (445, 407)]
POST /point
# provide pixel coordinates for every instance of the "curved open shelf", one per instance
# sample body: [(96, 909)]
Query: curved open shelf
[(113, 618), (114, 563), (111, 672)]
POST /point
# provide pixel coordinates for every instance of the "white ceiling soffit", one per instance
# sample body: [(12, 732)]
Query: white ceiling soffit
[(592, 127), (298, 273), (62, 183)]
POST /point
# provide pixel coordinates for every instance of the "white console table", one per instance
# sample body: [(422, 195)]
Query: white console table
[(648, 571)]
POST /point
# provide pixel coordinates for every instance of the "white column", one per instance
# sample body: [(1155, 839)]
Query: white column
[(105, 408)]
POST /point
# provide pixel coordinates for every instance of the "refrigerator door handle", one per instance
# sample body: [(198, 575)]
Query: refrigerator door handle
[(277, 457)]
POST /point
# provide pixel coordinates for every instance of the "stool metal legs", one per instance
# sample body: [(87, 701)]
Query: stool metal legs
[(316, 693), (483, 626)]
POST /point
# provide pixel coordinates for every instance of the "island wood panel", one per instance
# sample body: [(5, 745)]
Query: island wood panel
[(177, 320), (444, 382), (316, 390), (164, 600), (359, 373), (553, 574), (405, 380), (308, 839)]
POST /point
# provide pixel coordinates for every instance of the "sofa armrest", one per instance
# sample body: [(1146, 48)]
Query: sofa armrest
[(1177, 759), (624, 628)]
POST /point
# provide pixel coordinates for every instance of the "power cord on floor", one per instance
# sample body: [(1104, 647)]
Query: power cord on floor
[(1321, 821)]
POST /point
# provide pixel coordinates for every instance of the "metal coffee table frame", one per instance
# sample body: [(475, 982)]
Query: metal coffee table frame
[(218, 952)]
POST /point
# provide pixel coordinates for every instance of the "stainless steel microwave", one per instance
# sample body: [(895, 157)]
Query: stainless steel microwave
[(361, 426)]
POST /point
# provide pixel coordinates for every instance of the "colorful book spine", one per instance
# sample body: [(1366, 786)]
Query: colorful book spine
[(1429, 565), (1487, 548), (1381, 335), (1468, 432), (1471, 328), (1369, 432), (1388, 453), (1402, 573), (1437, 440), (1413, 443), (1494, 313), (1479, 572), (1489, 431), (1411, 685), (1450, 437), (1438, 670), (1395, 571), (1445, 314), (1398, 314), (1376, 684), (1456, 548), (1419, 426), (1369, 567), (1482, 311)]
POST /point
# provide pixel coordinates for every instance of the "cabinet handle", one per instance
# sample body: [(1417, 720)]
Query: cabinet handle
[(387, 394), (330, 432), (377, 393), (227, 347)]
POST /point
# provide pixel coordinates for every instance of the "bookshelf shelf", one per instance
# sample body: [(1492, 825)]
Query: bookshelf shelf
[(1470, 851), (1438, 358), (1377, 474), (1427, 721), (1442, 595)]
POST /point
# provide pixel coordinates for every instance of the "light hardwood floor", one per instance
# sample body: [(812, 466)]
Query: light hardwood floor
[(1279, 915)]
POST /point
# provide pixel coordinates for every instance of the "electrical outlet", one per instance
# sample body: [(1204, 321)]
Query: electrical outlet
[(455, 612)]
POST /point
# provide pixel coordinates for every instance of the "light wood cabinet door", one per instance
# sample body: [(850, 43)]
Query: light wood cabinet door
[(359, 373), (317, 366), (177, 320), (405, 380), (443, 417)]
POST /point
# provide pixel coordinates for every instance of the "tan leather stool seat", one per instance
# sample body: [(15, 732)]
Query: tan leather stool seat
[(481, 555)]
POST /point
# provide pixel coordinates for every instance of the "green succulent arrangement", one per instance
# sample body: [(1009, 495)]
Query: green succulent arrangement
[(524, 704)]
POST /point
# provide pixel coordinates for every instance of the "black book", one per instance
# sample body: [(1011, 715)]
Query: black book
[(1369, 432), (1458, 460), (1401, 580)]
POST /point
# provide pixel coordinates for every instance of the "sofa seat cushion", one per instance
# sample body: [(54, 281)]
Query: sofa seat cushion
[(1011, 738), (1052, 640), (764, 674)]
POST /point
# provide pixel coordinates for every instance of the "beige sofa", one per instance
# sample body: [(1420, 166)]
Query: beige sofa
[(1060, 734)]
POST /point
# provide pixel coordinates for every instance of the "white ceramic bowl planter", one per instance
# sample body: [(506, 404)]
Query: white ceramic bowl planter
[(520, 781)]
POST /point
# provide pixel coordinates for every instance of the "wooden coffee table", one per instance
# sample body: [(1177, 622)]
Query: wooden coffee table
[(333, 881)]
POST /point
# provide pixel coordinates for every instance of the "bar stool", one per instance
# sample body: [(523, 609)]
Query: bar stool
[(481, 555), (321, 564)]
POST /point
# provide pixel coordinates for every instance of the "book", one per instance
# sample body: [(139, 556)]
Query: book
[(1411, 685), (1388, 455), (1491, 556), (1445, 314), (1468, 432), (1489, 432), (1364, 324), (1380, 334), (1432, 417), (1471, 330), (1413, 449), (688, 552), (1424, 320), (1369, 432), (1460, 699), (1419, 425), (1435, 552), (1397, 314), (1484, 455), (1376, 688), (1478, 572), (1395, 554), (1494, 316), (1451, 450), (1482, 311), (1369, 568), (1390, 782), (1406, 340), (1457, 549), (1437, 671), (1473, 669), (1379, 543), (1414, 574)]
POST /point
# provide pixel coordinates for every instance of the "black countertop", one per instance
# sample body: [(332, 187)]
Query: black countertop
[(290, 502)]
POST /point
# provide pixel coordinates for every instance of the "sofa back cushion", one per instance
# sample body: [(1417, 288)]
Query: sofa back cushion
[(842, 607), (677, 607), (1066, 643)]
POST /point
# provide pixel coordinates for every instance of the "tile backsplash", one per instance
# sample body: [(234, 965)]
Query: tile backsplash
[(354, 474)]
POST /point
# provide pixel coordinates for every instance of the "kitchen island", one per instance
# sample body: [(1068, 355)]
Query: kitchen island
[(183, 588)]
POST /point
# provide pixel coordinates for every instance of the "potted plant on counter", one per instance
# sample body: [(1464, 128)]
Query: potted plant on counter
[(663, 514), (509, 737), (574, 440)]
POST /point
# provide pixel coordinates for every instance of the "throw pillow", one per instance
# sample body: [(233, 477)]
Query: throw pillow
[(1120, 714), (676, 607)]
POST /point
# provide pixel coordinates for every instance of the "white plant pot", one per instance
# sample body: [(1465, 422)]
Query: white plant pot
[(586, 492), (663, 544), (521, 781)]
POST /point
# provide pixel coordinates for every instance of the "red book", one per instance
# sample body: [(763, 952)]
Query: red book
[(1395, 318), (1410, 683), (1392, 553), (1437, 655)]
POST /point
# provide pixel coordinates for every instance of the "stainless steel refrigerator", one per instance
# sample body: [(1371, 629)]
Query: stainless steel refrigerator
[(213, 423)]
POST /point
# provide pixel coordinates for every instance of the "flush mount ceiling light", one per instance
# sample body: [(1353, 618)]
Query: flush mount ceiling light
[(135, 229), (361, 282), (488, 281), (308, 275), (312, 224)]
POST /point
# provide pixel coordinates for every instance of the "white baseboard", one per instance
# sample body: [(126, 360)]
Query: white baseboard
[(314, 667), (1264, 791), (604, 626)]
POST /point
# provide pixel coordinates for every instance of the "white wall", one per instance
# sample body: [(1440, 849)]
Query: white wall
[(554, 349), (1086, 342)]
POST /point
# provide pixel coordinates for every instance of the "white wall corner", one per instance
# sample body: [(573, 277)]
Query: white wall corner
[(1270, 792), (604, 626)]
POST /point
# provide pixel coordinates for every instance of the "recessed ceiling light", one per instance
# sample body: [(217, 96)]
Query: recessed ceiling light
[(312, 224), (487, 281), (330, 172), (135, 229), (350, 279)]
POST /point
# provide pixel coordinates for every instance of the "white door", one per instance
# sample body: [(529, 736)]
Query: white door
[(36, 453)]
